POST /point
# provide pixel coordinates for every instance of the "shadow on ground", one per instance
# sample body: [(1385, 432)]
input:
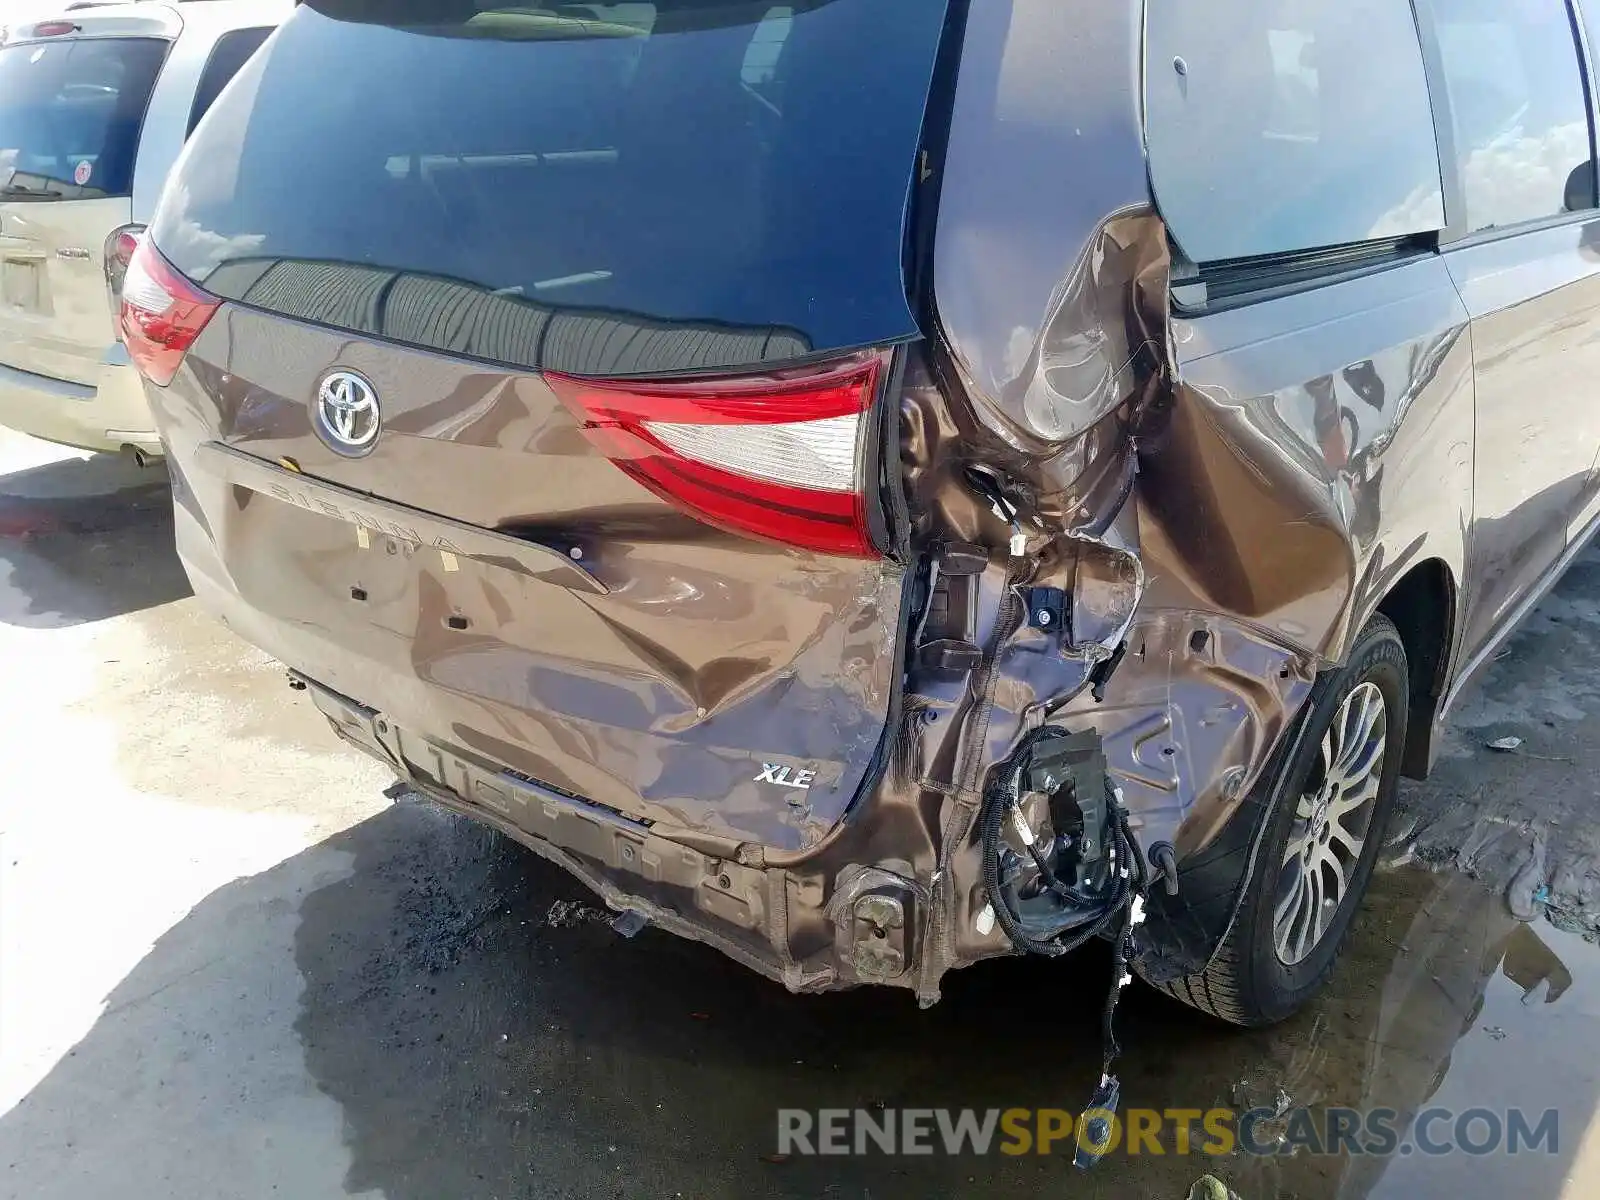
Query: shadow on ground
[(83, 539)]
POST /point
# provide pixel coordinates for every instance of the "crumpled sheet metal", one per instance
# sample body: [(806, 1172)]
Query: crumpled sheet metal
[(1224, 523), (1229, 487), (1045, 141)]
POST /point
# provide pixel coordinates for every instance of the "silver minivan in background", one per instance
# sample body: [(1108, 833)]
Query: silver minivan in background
[(95, 105)]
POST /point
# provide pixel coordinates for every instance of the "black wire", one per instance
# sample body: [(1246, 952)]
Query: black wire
[(1122, 952), (1045, 871)]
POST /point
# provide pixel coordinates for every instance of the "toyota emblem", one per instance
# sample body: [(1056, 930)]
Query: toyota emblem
[(347, 413)]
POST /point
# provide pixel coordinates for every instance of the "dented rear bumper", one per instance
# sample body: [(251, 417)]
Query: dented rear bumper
[(789, 923)]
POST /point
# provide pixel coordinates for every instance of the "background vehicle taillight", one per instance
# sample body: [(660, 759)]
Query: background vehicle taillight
[(780, 456), (118, 254), (162, 313)]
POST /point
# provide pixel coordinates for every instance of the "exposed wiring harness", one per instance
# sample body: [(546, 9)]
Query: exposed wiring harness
[(1128, 874), (1118, 911)]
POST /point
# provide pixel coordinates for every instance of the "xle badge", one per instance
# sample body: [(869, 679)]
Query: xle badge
[(779, 774)]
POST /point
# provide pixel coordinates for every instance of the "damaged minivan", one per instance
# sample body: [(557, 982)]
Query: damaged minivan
[(875, 485)]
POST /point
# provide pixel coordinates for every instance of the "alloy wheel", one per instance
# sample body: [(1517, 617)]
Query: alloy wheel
[(1332, 819)]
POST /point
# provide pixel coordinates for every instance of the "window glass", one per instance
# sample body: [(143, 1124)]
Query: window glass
[(1285, 125), (230, 53), (1516, 105), (70, 115)]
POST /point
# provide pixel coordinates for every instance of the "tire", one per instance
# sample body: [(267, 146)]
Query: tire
[(1248, 981)]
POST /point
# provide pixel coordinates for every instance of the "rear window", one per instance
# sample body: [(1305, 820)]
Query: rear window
[(607, 189), (70, 115)]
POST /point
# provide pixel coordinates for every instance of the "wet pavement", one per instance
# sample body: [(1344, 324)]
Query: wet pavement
[(230, 968)]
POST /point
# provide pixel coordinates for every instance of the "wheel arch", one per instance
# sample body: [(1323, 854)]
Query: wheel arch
[(1423, 606)]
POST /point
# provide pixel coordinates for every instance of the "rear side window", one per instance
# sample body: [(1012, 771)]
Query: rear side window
[(607, 189), (1517, 107), (70, 115), (1281, 126), (232, 51)]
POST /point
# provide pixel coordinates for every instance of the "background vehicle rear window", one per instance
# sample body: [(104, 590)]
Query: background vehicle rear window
[(70, 115), (1516, 105), (1278, 126), (627, 188)]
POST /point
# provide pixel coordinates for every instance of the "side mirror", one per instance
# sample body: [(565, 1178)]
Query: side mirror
[(1581, 187)]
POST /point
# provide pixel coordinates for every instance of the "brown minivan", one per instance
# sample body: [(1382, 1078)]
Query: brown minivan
[(873, 485)]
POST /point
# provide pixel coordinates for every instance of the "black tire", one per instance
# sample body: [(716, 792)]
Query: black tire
[(1246, 982)]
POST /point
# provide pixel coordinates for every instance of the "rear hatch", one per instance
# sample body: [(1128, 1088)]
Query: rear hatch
[(625, 282), (73, 95)]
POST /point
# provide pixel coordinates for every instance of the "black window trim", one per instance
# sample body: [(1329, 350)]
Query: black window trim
[(1456, 234), (1199, 289), (1499, 233), (1586, 66)]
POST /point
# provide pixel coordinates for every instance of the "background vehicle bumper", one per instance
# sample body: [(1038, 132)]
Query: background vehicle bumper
[(103, 417)]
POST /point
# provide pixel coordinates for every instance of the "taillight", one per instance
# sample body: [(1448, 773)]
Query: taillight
[(118, 254), (55, 28), (780, 456), (162, 313)]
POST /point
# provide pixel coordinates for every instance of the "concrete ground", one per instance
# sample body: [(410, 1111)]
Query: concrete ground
[(229, 968)]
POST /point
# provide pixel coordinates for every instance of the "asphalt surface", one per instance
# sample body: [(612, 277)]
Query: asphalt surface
[(230, 968)]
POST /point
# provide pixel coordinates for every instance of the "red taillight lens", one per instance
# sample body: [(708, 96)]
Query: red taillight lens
[(778, 456), (162, 314), (54, 28)]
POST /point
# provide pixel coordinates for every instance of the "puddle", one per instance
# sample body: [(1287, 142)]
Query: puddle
[(1444, 1001), (395, 1014)]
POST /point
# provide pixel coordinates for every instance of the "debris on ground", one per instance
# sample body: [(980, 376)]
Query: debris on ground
[(1513, 745), (629, 922), (1209, 1187), (1528, 890), (568, 914)]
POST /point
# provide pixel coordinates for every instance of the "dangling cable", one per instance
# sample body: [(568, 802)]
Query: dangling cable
[(1120, 910), (1122, 947), (1094, 1126)]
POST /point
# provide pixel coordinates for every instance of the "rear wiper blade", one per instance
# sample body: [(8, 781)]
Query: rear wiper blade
[(22, 189)]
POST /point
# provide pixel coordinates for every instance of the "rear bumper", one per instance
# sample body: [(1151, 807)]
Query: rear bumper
[(771, 920), (105, 417)]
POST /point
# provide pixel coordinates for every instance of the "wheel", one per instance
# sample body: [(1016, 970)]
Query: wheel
[(1327, 811)]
